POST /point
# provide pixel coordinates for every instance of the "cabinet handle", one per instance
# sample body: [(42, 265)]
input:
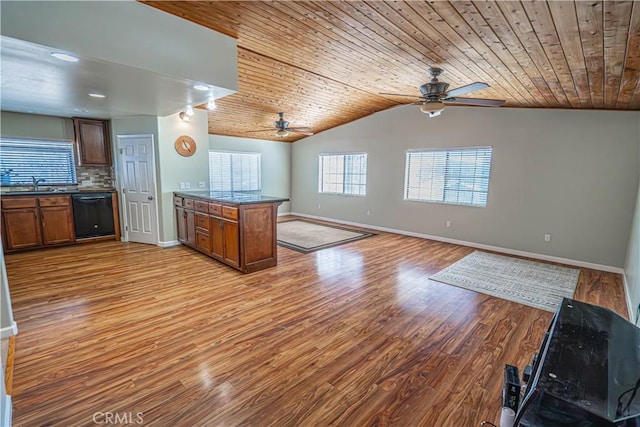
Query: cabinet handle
[(184, 214)]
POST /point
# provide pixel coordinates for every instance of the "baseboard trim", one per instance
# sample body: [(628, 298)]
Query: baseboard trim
[(627, 294), (285, 214), (9, 331), (508, 251), (169, 244)]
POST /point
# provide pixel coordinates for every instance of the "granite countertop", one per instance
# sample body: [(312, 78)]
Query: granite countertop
[(56, 193), (231, 197)]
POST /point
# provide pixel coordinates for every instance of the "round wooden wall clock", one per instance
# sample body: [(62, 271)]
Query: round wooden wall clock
[(185, 146)]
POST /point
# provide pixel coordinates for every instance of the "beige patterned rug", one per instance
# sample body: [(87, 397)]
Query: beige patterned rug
[(306, 236), (526, 282)]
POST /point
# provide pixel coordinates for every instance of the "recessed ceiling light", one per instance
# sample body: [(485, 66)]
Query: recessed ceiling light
[(97, 95), (64, 56), (201, 87)]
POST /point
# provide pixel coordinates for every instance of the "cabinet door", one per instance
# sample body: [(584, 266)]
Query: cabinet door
[(21, 228), (181, 219), (92, 139), (57, 225), (191, 227), (217, 238), (231, 243)]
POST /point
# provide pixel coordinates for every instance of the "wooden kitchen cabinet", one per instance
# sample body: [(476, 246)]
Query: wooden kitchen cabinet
[(32, 222), (57, 225), (93, 142), (242, 236), (21, 228)]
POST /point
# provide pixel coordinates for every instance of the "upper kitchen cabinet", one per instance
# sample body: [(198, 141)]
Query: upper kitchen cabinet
[(92, 141)]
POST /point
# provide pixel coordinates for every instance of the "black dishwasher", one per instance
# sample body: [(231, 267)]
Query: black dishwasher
[(93, 215)]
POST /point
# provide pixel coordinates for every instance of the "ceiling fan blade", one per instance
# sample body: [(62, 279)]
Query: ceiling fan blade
[(466, 89), (399, 94), (298, 129), (301, 132), (476, 101)]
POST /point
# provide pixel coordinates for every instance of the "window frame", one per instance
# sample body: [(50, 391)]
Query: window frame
[(232, 153), (321, 183), (445, 178), (70, 162)]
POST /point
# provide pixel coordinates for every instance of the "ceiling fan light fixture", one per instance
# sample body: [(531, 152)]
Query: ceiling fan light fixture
[(184, 116), (282, 133), (432, 107)]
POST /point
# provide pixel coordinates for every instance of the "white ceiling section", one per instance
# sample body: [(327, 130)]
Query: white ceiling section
[(145, 61)]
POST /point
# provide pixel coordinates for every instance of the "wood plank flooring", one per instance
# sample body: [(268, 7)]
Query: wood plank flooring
[(354, 335)]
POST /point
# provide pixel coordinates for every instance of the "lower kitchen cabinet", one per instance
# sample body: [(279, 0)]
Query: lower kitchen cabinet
[(21, 228), (31, 222), (241, 235)]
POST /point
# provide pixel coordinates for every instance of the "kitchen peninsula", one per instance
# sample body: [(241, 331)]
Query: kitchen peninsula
[(238, 229)]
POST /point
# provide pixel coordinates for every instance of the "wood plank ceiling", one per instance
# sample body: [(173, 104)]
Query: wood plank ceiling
[(324, 63)]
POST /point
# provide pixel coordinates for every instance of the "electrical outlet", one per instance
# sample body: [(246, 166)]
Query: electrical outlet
[(201, 184), (318, 205), (448, 224), (368, 213), (182, 185), (187, 185), (547, 237)]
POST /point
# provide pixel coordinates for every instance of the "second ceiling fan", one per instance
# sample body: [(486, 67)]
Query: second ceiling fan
[(435, 95), (283, 130)]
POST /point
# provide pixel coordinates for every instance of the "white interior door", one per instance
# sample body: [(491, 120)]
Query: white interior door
[(139, 188)]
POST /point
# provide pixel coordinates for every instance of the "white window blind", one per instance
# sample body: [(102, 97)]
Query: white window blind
[(457, 176), (234, 171), (343, 174), (23, 159)]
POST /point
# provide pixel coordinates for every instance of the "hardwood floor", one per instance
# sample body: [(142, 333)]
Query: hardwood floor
[(354, 335)]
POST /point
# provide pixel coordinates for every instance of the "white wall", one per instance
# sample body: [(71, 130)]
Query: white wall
[(276, 163), (572, 174)]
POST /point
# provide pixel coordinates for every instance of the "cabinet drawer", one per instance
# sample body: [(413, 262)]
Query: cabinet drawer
[(203, 241), (201, 206), (18, 202), (178, 201), (215, 209), (202, 221), (229, 212), (188, 203), (54, 201)]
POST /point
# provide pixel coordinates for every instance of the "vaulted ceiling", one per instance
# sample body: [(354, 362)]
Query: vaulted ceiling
[(325, 63)]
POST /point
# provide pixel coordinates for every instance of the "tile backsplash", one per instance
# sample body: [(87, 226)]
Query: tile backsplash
[(100, 176)]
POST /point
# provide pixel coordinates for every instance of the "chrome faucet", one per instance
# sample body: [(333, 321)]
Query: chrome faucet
[(36, 182)]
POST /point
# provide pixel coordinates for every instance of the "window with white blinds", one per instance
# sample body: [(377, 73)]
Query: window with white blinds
[(234, 171), (343, 174), (21, 160), (457, 176)]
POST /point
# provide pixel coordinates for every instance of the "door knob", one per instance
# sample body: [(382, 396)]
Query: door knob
[(150, 198)]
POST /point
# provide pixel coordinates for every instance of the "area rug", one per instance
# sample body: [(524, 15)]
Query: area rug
[(526, 282), (306, 236)]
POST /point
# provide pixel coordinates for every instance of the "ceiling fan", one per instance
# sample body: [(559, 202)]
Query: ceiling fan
[(435, 96), (282, 128)]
